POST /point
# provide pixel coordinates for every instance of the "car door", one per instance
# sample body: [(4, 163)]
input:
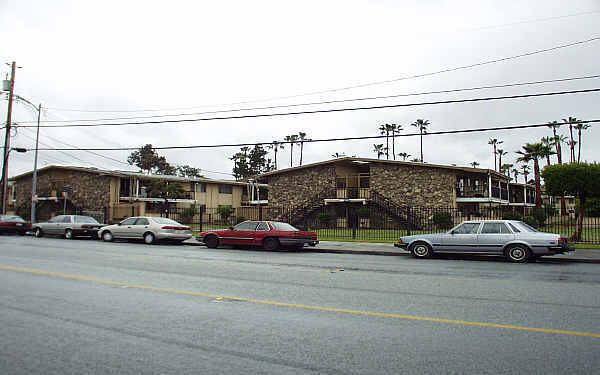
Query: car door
[(140, 227), (242, 234), (493, 236), (50, 227), (461, 239), (125, 228), (262, 230)]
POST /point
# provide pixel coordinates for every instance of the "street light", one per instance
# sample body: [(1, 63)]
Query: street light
[(5, 179)]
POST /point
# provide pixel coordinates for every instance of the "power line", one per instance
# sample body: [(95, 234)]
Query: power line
[(460, 131), (533, 20), (447, 70), (332, 101), (323, 110)]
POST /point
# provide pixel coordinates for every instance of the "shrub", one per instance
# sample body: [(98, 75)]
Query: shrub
[(225, 212), (592, 207), (540, 216), (512, 215), (187, 215), (443, 219), (324, 217), (530, 220)]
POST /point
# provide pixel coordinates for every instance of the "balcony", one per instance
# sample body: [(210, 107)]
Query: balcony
[(353, 193), (481, 192)]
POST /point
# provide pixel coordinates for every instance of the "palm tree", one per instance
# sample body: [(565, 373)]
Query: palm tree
[(505, 169), (394, 129), (571, 143), (416, 160), (422, 126), (494, 142), (337, 155), (387, 129), (500, 153), (525, 172), (534, 151), (474, 164), (404, 155), (555, 125), (580, 127), (379, 150), (291, 139), (275, 146), (302, 137), (516, 173), (571, 121), (548, 144)]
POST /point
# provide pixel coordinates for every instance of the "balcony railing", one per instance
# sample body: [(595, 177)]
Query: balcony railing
[(353, 193), (471, 192)]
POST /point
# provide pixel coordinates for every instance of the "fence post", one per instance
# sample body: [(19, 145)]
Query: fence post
[(408, 220), (105, 213), (353, 221), (260, 215)]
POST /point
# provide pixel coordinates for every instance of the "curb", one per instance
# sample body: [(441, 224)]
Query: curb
[(549, 259)]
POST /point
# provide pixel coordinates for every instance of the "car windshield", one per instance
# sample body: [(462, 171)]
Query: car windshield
[(164, 220), (283, 226), (526, 227), (86, 219), (11, 218)]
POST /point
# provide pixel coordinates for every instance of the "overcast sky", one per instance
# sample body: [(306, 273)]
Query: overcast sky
[(111, 59)]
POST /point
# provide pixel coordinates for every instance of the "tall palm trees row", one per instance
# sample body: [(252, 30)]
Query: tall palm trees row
[(391, 130), (291, 140)]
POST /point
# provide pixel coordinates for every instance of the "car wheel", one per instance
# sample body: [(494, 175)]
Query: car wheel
[(421, 250), (518, 253), (149, 238), (211, 241), (69, 234), (271, 244), (39, 233), (107, 236)]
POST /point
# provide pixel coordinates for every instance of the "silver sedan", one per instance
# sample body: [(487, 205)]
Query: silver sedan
[(69, 226), (515, 240), (148, 228)]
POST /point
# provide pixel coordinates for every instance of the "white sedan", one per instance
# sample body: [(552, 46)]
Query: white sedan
[(150, 229)]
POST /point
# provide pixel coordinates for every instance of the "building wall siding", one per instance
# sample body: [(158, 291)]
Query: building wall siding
[(415, 185), (295, 188)]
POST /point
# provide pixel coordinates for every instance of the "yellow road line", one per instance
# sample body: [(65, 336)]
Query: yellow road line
[(296, 306)]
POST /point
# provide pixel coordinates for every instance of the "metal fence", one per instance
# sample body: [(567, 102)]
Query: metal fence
[(380, 223)]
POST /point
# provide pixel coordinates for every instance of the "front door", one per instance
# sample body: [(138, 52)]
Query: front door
[(125, 228), (140, 227), (462, 239)]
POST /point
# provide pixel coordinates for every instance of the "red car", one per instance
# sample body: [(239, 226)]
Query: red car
[(269, 234), (13, 224)]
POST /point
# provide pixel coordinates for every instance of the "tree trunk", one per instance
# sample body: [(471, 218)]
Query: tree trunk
[(577, 235), (538, 190), (275, 157), (301, 151), (547, 159), (421, 146), (572, 145), (579, 146), (291, 155), (394, 144), (387, 145)]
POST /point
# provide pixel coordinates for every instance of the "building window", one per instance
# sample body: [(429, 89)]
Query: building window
[(225, 189), (201, 188), (125, 187)]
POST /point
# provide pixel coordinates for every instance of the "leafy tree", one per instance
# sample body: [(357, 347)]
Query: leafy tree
[(592, 207), (494, 142), (189, 171), (422, 125), (533, 151), (165, 190), (404, 155), (148, 160), (241, 167), (292, 140), (580, 180), (379, 150), (251, 162)]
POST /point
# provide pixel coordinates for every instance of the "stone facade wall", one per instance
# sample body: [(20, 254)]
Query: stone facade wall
[(294, 188), (90, 190), (415, 185)]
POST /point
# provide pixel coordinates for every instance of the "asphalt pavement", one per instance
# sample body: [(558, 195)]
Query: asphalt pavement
[(374, 248)]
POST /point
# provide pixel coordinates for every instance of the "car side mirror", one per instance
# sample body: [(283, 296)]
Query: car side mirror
[(230, 228), (119, 224)]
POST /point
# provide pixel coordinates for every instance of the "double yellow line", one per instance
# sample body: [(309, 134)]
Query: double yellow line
[(296, 306)]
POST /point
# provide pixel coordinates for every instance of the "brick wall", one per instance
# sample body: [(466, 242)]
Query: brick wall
[(295, 187)]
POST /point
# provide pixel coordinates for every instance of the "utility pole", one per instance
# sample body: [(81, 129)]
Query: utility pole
[(7, 136), (35, 159)]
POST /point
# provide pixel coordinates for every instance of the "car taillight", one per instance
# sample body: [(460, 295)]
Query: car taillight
[(562, 240), (399, 240)]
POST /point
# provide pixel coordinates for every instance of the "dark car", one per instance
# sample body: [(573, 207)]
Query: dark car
[(268, 234), (69, 226), (14, 224), (515, 240)]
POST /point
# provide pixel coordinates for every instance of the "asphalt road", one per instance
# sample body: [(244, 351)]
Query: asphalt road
[(88, 307)]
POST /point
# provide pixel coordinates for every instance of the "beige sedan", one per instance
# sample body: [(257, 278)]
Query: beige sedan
[(147, 228)]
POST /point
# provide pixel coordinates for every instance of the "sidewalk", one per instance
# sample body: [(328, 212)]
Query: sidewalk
[(370, 248)]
